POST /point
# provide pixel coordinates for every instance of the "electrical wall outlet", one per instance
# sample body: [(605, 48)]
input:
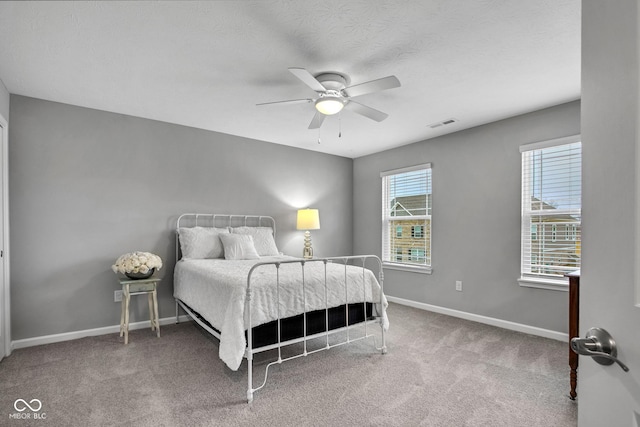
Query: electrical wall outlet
[(459, 285), (117, 296)]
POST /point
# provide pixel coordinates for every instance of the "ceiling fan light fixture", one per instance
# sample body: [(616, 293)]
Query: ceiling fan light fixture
[(329, 105)]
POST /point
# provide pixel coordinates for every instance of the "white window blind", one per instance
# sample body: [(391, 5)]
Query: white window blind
[(406, 217), (551, 208)]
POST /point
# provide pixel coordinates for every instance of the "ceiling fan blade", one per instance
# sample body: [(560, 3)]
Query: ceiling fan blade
[(308, 79), (384, 83), (368, 112), (317, 120), (291, 101)]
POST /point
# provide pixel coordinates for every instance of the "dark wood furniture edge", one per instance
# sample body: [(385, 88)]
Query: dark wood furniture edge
[(574, 316)]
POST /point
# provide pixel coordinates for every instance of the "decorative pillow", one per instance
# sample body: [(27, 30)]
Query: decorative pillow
[(201, 242), (262, 239), (238, 246)]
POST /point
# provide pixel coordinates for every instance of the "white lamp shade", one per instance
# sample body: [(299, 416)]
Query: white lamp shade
[(308, 219), (329, 105)]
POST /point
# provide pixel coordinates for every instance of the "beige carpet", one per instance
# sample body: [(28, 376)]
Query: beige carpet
[(439, 371)]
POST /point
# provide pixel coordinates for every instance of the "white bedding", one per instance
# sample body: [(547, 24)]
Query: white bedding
[(216, 289)]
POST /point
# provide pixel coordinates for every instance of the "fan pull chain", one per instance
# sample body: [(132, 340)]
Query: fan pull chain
[(319, 136), (340, 126)]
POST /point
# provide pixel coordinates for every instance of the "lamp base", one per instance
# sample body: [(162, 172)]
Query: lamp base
[(307, 251)]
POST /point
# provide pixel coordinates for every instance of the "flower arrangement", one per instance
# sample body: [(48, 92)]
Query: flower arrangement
[(137, 262)]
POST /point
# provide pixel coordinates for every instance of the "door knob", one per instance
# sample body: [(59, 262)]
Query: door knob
[(598, 344)]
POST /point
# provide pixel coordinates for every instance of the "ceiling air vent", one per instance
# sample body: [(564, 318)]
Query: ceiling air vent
[(442, 123)]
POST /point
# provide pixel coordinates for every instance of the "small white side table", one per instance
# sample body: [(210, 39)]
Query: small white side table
[(139, 287)]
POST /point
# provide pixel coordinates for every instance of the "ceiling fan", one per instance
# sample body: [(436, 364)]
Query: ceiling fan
[(334, 94)]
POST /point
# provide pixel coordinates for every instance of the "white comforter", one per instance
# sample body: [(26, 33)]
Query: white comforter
[(216, 288)]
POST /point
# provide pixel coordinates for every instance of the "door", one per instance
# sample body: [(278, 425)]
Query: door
[(609, 284), (4, 287)]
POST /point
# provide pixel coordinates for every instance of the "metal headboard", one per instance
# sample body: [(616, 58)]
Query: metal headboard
[(221, 220)]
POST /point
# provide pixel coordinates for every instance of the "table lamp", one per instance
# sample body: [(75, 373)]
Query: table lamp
[(308, 219)]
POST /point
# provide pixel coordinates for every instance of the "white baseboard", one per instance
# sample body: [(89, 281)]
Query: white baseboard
[(67, 336), (546, 333), (505, 324)]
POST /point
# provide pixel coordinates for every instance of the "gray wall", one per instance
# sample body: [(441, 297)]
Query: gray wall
[(4, 101), (87, 186), (476, 218)]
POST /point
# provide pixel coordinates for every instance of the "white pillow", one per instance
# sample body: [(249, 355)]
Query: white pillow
[(201, 242), (262, 239), (238, 246)]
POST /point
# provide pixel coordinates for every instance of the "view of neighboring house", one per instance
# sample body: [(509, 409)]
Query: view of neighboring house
[(410, 233), (555, 240)]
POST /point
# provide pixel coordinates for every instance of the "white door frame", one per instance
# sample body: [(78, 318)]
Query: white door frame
[(5, 227)]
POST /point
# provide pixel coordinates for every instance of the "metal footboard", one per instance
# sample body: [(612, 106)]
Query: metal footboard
[(346, 261)]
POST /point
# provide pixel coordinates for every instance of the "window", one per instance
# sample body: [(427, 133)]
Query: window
[(416, 254), (407, 202), (399, 231), (551, 200)]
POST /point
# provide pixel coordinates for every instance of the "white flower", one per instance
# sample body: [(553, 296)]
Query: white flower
[(137, 262)]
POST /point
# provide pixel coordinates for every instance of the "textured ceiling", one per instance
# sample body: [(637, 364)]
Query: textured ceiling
[(206, 64)]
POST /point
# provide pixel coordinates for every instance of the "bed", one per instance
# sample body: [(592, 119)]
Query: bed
[(231, 279)]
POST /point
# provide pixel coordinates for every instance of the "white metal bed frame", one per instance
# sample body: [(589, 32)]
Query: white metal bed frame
[(196, 219)]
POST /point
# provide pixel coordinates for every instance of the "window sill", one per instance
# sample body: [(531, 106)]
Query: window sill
[(551, 284), (407, 267)]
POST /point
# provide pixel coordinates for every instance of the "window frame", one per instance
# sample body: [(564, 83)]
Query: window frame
[(389, 261), (527, 278)]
